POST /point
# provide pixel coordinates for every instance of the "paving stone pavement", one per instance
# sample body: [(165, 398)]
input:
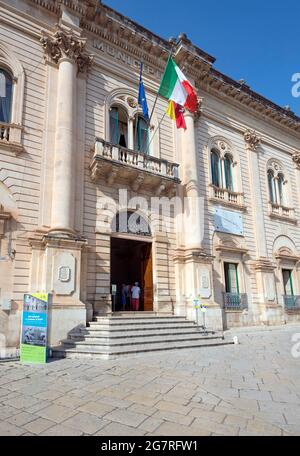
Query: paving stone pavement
[(248, 389)]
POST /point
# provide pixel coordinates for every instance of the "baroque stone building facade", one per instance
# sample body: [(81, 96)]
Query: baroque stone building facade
[(80, 169)]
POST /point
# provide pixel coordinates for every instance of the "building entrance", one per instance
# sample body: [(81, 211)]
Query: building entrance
[(131, 262)]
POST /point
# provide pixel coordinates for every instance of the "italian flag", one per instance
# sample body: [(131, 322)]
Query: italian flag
[(177, 89)]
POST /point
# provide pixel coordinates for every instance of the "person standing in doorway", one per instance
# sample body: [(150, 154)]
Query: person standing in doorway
[(136, 293), (123, 297), (127, 294)]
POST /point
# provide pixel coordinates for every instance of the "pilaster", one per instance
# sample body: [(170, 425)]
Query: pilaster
[(265, 304)]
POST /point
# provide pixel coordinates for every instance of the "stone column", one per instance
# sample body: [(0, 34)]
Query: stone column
[(193, 264), (262, 305), (65, 49), (252, 141), (57, 250), (131, 133), (63, 182), (193, 216)]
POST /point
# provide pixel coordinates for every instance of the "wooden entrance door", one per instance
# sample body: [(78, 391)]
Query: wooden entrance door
[(147, 278)]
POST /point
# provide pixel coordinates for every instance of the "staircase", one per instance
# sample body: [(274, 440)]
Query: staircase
[(118, 335)]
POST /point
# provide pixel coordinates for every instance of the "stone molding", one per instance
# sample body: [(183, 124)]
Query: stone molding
[(252, 140), (41, 240), (264, 264), (195, 255), (64, 44), (113, 27), (296, 160)]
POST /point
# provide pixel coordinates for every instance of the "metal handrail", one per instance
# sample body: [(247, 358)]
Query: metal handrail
[(235, 301), (291, 302)]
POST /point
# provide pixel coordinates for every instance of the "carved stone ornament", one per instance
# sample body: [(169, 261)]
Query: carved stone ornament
[(64, 274), (296, 160), (132, 102), (65, 44), (252, 139)]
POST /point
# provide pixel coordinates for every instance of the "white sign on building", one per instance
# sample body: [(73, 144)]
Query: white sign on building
[(229, 222)]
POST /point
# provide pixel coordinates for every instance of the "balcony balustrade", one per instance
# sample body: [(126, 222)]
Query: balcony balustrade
[(235, 301), (227, 197), (115, 163), (4, 132), (10, 137), (277, 210)]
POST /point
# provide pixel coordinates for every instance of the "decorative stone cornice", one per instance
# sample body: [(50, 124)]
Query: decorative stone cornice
[(252, 140), (66, 44), (296, 160), (102, 21)]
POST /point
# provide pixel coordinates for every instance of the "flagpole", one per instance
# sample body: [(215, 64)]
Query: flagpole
[(150, 142)]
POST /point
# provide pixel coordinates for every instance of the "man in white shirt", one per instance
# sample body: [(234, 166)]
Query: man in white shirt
[(135, 297)]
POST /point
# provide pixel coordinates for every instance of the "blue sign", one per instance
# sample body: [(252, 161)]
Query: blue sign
[(34, 328), (229, 222)]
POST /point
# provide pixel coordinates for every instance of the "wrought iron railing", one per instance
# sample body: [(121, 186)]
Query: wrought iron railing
[(291, 303), (235, 301)]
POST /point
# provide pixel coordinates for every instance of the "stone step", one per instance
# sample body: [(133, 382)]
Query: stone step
[(142, 326), (109, 352), (138, 332), (115, 335), (148, 315), (140, 340), (138, 320)]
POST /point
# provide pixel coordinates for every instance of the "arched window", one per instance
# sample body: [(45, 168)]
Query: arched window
[(281, 180), (215, 168), (141, 137), (271, 185), (228, 169), (6, 85), (118, 124), (277, 185)]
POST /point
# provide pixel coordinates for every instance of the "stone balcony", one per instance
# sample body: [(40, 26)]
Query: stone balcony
[(10, 137), (226, 197), (282, 212), (118, 164)]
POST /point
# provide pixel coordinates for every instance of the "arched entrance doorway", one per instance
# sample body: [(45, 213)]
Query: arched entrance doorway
[(131, 260)]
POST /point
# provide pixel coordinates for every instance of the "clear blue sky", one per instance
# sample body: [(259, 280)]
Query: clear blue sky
[(257, 40)]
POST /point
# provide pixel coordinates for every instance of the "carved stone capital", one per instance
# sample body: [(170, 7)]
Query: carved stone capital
[(66, 44), (296, 160), (195, 115), (252, 140)]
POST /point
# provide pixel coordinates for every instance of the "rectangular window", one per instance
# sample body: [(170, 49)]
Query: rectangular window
[(288, 282), (231, 278)]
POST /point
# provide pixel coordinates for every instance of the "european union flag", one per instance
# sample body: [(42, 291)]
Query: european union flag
[(142, 96)]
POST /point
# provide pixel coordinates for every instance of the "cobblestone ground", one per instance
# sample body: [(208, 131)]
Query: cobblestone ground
[(247, 389)]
